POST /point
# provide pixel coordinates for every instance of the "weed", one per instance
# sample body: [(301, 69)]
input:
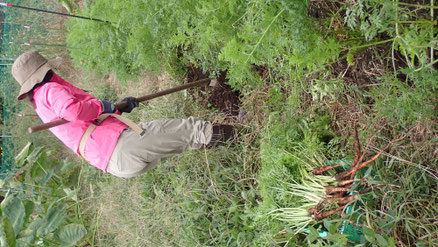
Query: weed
[(35, 199), (408, 101), (181, 202)]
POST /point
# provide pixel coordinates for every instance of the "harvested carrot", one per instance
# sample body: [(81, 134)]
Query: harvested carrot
[(346, 200), (330, 199), (380, 153), (342, 201), (321, 170), (313, 211), (368, 144), (324, 215), (335, 189), (347, 182), (353, 170), (356, 145), (345, 179)]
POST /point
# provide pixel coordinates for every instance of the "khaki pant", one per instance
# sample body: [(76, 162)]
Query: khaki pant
[(134, 154)]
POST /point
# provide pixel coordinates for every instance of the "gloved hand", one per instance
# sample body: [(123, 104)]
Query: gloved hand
[(131, 104), (107, 107)]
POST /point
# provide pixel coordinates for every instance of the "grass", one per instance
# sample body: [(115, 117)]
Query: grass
[(174, 204)]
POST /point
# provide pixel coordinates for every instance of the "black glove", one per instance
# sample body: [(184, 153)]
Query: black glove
[(107, 107), (131, 103)]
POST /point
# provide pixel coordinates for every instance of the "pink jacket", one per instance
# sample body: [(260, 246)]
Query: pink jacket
[(58, 99)]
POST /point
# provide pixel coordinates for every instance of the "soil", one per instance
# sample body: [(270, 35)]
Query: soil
[(365, 67), (220, 97)]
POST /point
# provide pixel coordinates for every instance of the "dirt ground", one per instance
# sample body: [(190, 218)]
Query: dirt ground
[(220, 96)]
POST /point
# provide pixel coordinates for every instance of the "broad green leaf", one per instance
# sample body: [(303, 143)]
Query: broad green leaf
[(21, 157), (22, 243), (67, 5), (46, 163), (313, 235), (381, 240), (14, 209), (65, 167), (35, 171), (72, 194), (36, 153), (68, 235), (35, 224), (327, 224), (28, 207), (369, 234), (55, 216), (28, 235), (9, 232), (24, 234), (39, 156), (408, 227), (47, 177), (391, 242)]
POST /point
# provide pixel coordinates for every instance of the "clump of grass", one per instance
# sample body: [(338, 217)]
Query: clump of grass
[(199, 197), (411, 100)]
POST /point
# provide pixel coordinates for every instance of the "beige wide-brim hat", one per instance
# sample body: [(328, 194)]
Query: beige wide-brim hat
[(30, 68)]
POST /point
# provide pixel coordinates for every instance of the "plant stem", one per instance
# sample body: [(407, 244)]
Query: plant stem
[(428, 65), (417, 22), (417, 5), (431, 18), (368, 45), (264, 33), (321, 170)]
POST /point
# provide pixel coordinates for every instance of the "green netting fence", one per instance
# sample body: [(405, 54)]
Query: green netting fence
[(23, 30)]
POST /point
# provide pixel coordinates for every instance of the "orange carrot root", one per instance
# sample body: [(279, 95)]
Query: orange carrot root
[(347, 182), (353, 170), (346, 200), (334, 189), (313, 211), (324, 215), (321, 170), (332, 198)]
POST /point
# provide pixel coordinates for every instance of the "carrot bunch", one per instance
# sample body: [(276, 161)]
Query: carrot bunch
[(345, 180)]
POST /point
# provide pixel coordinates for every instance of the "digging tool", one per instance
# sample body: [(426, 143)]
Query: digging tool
[(123, 104)]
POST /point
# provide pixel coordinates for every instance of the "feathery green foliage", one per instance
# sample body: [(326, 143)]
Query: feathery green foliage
[(216, 36), (408, 101)]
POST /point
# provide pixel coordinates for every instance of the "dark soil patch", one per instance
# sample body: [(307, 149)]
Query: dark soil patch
[(368, 64), (220, 97), (321, 8)]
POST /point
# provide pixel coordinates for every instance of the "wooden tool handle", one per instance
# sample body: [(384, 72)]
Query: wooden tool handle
[(120, 105), (48, 125)]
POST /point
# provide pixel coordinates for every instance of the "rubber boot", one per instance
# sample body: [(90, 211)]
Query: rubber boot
[(221, 134)]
